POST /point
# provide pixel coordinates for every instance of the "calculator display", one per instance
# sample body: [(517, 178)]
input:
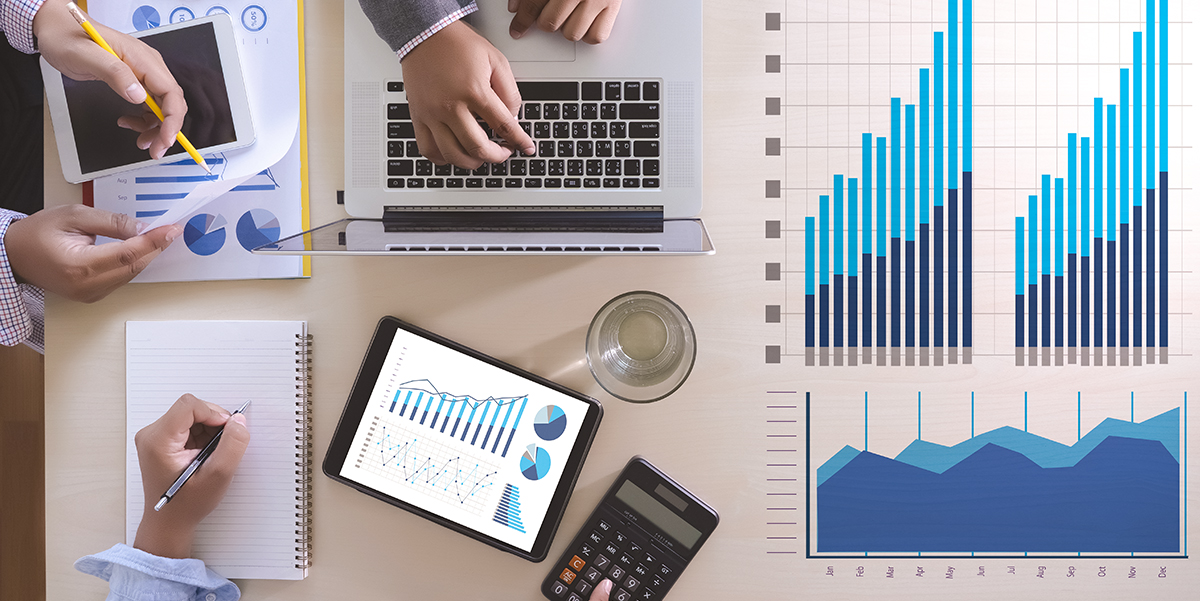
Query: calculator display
[(658, 514)]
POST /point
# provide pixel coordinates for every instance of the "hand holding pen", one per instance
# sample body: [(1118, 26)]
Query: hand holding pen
[(138, 71), (165, 450)]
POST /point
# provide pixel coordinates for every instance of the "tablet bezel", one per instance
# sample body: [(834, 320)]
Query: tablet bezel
[(235, 86), (360, 394)]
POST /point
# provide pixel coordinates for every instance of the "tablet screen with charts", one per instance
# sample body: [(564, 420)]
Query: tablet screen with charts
[(463, 439), (202, 56)]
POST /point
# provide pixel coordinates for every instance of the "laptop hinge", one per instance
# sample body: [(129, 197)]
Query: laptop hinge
[(523, 219)]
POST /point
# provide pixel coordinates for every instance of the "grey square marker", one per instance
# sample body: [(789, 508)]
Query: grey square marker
[(773, 272), (773, 188), (773, 229), (773, 354), (773, 63), (773, 21), (774, 106), (773, 314), (773, 147)]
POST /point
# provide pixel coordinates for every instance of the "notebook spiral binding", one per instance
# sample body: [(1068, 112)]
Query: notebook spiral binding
[(304, 454)]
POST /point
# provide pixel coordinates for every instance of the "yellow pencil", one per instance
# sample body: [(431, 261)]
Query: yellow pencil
[(95, 35)]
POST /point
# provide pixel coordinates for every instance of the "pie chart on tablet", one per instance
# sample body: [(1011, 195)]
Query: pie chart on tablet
[(535, 462), (550, 422), (204, 234), (146, 17), (256, 228)]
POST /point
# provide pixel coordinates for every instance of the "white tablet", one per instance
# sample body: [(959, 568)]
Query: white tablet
[(202, 55)]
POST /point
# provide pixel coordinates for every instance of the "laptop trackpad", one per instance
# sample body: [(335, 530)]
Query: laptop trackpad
[(492, 20)]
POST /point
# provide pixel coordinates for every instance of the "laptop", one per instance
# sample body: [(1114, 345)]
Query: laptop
[(618, 131)]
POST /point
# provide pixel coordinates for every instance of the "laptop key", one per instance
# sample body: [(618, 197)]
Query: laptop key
[(612, 90), (553, 182), (612, 167), (459, 171), (541, 129), (584, 148), (482, 170), (537, 167), (643, 129), (608, 111), (533, 111), (454, 182), (533, 182), (443, 169), (631, 111), (572, 182), (517, 167), (650, 182), (621, 148), (589, 110), (592, 90), (395, 149), (604, 148), (400, 167), (650, 167), (633, 91), (499, 168), (574, 167), (570, 110), (566, 148), (579, 129), (528, 127), (600, 129), (546, 148), (591, 182), (412, 149), (424, 167), (395, 182), (650, 90), (612, 182), (415, 182), (556, 167), (645, 148), (395, 86), (512, 182), (595, 167), (616, 129), (632, 167), (551, 111), (562, 129), (435, 182), (401, 129), (494, 182), (629, 182), (474, 182)]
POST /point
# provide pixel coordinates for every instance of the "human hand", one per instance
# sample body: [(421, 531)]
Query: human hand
[(587, 20), (55, 249), (165, 448), (68, 48), (600, 593), (451, 77)]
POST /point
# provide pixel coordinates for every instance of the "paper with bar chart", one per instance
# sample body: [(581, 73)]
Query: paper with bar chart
[(473, 443), (979, 319)]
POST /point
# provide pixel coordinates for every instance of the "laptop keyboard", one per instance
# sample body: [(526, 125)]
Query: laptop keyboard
[(589, 135)]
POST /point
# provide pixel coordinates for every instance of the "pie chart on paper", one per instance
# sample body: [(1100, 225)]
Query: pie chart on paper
[(550, 422), (256, 228), (204, 234), (535, 462)]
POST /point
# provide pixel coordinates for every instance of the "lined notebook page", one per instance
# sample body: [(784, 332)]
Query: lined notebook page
[(254, 532)]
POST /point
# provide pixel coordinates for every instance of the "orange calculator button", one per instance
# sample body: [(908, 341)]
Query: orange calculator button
[(577, 564), (567, 576)]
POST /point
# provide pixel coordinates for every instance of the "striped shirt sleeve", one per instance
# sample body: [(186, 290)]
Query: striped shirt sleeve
[(21, 305), (16, 21), (436, 27)]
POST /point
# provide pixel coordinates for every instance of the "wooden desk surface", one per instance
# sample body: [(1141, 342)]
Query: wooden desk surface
[(530, 311)]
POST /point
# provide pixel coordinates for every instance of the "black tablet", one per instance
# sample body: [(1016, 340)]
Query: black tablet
[(468, 441)]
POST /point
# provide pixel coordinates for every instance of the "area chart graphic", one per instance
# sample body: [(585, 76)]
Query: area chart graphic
[(476, 422), (1117, 490)]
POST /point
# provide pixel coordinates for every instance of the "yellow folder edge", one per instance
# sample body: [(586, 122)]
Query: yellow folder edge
[(304, 208)]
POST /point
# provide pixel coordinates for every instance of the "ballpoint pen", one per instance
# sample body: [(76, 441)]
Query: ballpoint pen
[(196, 463), (95, 35)]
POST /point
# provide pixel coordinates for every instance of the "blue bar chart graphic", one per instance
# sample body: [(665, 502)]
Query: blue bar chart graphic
[(488, 423), (1117, 489), (508, 511), (888, 255), (1111, 290)]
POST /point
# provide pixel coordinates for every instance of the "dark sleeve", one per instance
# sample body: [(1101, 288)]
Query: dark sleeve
[(399, 22)]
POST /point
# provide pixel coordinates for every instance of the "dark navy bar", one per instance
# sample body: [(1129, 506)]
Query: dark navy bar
[(966, 252), (1162, 228), (952, 267), (938, 293), (1151, 284), (1137, 276)]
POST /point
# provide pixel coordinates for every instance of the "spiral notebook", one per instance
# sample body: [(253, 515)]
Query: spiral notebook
[(262, 528)]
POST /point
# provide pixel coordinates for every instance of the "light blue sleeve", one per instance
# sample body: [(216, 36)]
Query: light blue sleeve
[(135, 575)]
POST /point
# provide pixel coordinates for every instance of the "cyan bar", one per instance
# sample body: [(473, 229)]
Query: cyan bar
[(895, 193), (1111, 314), (967, 94), (1071, 192), (866, 194), (1098, 234), (1164, 26), (1058, 227), (1123, 149), (910, 172), (839, 251), (1019, 316), (810, 276), (1084, 239), (952, 101), (824, 299), (881, 234), (924, 166), (1046, 212), (939, 149), (852, 227), (1150, 107), (1136, 150)]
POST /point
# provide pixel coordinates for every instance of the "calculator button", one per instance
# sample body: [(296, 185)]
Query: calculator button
[(596, 537), (574, 597), (635, 549), (665, 571), (647, 595), (622, 595), (593, 575), (559, 589), (603, 525), (641, 570), (602, 562), (567, 576), (583, 587), (650, 559), (577, 563), (631, 583), (617, 573), (619, 536), (611, 549), (658, 581), (626, 560), (586, 551)]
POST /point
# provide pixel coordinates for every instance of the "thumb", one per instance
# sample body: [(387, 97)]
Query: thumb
[(115, 73), (228, 454)]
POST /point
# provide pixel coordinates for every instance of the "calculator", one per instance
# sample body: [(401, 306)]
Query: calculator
[(642, 535)]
